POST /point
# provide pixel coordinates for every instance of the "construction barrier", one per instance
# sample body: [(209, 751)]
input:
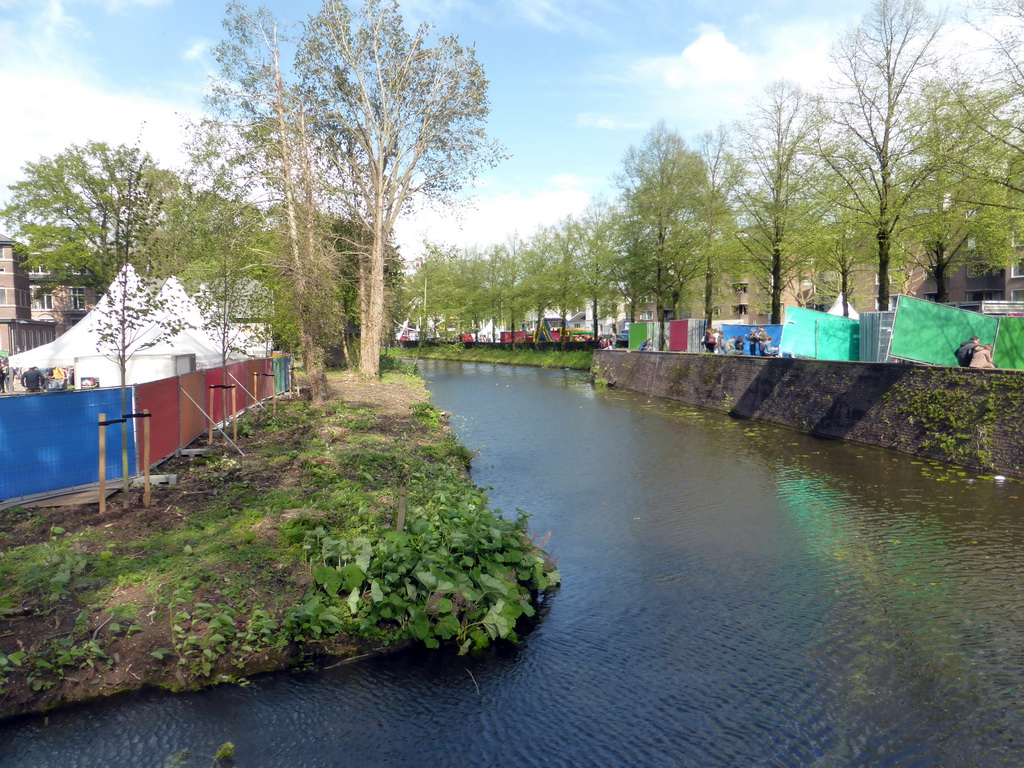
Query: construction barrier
[(49, 441)]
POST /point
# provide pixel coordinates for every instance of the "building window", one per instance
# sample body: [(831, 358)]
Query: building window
[(931, 297), (646, 315), (984, 295), (44, 302), (1017, 270), (3, 297), (1017, 295), (78, 298)]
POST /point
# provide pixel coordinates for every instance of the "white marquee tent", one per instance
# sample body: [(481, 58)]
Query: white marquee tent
[(84, 339)]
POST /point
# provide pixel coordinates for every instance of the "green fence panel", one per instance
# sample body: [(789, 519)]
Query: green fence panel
[(639, 333), (926, 332), (819, 335), (1009, 351)]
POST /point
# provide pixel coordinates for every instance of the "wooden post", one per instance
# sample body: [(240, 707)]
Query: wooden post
[(145, 456), (103, 465), (255, 387), (209, 438), (234, 415), (400, 520)]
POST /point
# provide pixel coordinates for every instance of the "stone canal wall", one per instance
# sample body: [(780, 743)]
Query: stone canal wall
[(970, 417)]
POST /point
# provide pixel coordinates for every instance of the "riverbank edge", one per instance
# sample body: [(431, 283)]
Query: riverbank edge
[(962, 416), (575, 360), (129, 662)]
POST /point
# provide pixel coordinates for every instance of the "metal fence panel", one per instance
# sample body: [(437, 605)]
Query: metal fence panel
[(678, 335), (190, 400), (875, 336), (161, 398), (50, 442)]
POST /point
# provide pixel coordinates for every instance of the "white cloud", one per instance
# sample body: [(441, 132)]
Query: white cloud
[(56, 111), (608, 122), (493, 215)]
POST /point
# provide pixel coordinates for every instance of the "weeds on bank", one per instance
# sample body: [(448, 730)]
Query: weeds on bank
[(579, 359), (236, 578)]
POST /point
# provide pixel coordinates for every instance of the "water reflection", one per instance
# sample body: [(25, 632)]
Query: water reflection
[(734, 594)]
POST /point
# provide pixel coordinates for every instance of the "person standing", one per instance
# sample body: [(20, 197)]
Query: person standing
[(33, 380), (763, 340), (4, 372)]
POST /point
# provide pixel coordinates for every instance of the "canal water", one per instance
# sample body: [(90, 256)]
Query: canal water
[(734, 595)]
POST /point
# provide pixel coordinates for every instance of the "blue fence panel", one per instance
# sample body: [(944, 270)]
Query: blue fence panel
[(51, 441), (732, 331)]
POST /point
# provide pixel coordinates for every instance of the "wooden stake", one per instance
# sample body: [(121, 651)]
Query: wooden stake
[(103, 465), (145, 455), (209, 438), (234, 416)]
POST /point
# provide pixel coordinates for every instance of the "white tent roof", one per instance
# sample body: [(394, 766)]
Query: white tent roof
[(837, 309), (84, 338)]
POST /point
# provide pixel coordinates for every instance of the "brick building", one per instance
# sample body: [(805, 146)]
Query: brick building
[(19, 329)]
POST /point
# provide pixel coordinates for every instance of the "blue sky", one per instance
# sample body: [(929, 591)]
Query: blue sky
[(573, 83)]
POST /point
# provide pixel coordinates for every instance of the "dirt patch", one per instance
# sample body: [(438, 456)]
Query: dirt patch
[(132, 638)]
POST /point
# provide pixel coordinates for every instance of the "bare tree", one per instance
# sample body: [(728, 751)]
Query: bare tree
[(265, 125)]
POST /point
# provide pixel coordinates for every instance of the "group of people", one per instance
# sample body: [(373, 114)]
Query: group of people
[(33, 379), (973, 354), (759, 340)]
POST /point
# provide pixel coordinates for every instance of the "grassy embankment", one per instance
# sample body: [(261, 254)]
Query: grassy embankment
[(548, 358), (343, 528)]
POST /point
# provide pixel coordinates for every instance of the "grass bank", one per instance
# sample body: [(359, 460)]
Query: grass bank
[(339, 530), (578, 360)]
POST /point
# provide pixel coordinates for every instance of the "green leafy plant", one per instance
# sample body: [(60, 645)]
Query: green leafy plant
[(460, 572)]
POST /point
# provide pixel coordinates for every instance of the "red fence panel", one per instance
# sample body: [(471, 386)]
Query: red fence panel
[(214, 379), (161, 398), (678, 335), (191, 399)]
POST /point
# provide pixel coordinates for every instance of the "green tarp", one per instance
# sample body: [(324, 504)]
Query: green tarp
[(819, 335), (1009, 351), (926, 332)]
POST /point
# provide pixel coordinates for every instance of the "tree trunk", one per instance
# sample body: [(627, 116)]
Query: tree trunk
[(776, 315), (884, 252), (373, 320)]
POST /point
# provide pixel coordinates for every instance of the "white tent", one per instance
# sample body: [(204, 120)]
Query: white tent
[(84, 339), (837, 309)]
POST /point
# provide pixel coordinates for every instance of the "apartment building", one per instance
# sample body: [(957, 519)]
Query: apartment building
[(20, 330)]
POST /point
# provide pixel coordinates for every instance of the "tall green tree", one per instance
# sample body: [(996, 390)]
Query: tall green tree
[(875, 139), (773, 201), (660, 182), (714, 214), (83, 214), (397, 119)]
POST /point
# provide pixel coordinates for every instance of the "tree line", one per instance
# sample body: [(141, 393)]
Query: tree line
[(909, 158), (311, 148)]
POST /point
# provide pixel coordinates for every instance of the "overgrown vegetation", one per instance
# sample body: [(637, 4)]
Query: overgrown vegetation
[(577, 360), (344, 528)]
